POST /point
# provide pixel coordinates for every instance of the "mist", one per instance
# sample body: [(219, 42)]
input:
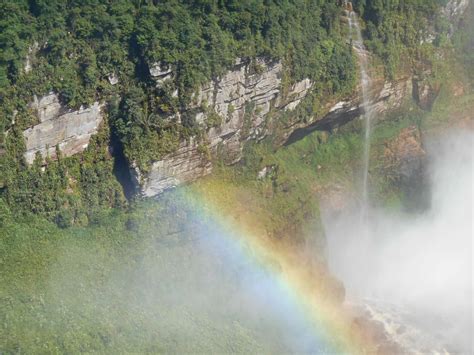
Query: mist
[(415, 269), (190, 288)]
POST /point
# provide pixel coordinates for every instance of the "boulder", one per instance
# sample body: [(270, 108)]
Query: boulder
[(160, 73)]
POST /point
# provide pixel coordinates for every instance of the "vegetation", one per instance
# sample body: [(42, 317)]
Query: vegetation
[(464, 40), (73, 48), (79, 290), (68, 191), (93, 287), (82, 290), (396, 30)]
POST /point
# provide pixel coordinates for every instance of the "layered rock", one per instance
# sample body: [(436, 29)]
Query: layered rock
[(184, 165), (385, 96), (453, 12), (242, 99), (454, 9), (58, 126)]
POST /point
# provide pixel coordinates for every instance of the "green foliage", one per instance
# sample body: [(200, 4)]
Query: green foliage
[(68, 190), (213, 119), (108, 288), (464, 41), (74, 46), (396, 29)]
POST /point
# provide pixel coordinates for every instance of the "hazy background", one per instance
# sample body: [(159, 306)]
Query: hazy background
[(193, 289)]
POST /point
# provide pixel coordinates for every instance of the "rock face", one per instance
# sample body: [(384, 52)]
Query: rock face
[(404, 154), (454, 9), (424, 92), (241, 100), (385, 96), (160, 73), (244, 99), (405, 166), (30, 57), (453, 12), (184, 165), (70, 130), (113, 78)]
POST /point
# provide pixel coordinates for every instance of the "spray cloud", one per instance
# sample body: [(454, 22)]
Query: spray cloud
[(419, 264)]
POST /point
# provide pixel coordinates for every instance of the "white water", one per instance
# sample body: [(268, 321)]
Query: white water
[(355, 37), (412, 273)]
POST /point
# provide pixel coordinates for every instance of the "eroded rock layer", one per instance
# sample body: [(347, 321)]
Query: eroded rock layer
[(240, 101), (247, 100), (58, 126)]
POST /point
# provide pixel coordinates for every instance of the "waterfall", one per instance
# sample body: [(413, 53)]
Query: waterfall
[(355, 38)]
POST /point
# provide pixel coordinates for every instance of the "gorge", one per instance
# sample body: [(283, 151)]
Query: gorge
[(236, 176)]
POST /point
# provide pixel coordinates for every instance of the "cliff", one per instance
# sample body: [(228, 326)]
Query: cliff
[(250, 105), (250, 101), (58, 126), (240, 101)]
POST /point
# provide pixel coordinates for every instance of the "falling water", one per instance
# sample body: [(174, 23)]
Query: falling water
[(355, 38)]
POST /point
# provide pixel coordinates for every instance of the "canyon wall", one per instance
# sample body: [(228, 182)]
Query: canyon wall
[(250, 103), (59, 126), (246, 103)]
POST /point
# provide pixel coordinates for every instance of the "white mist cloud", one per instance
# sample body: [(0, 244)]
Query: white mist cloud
[(194, 291), (419, 263)]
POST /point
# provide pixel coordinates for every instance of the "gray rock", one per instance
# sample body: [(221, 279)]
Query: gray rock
[(386, 96), (157, 69), (113, 79), (47, 107), (70, 130), (185, 165), (297, 92), (266, 171), (30, 57), (160, 73), (244, 97), (454, 9)]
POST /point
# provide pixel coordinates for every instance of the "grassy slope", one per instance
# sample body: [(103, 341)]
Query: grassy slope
[(73, 290), (83, 290)]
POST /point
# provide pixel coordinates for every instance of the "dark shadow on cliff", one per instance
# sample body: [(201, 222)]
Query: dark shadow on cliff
[(121, 167), (327, 123)]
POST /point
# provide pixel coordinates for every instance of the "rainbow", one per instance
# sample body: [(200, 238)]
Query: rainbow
[(304, 285)]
